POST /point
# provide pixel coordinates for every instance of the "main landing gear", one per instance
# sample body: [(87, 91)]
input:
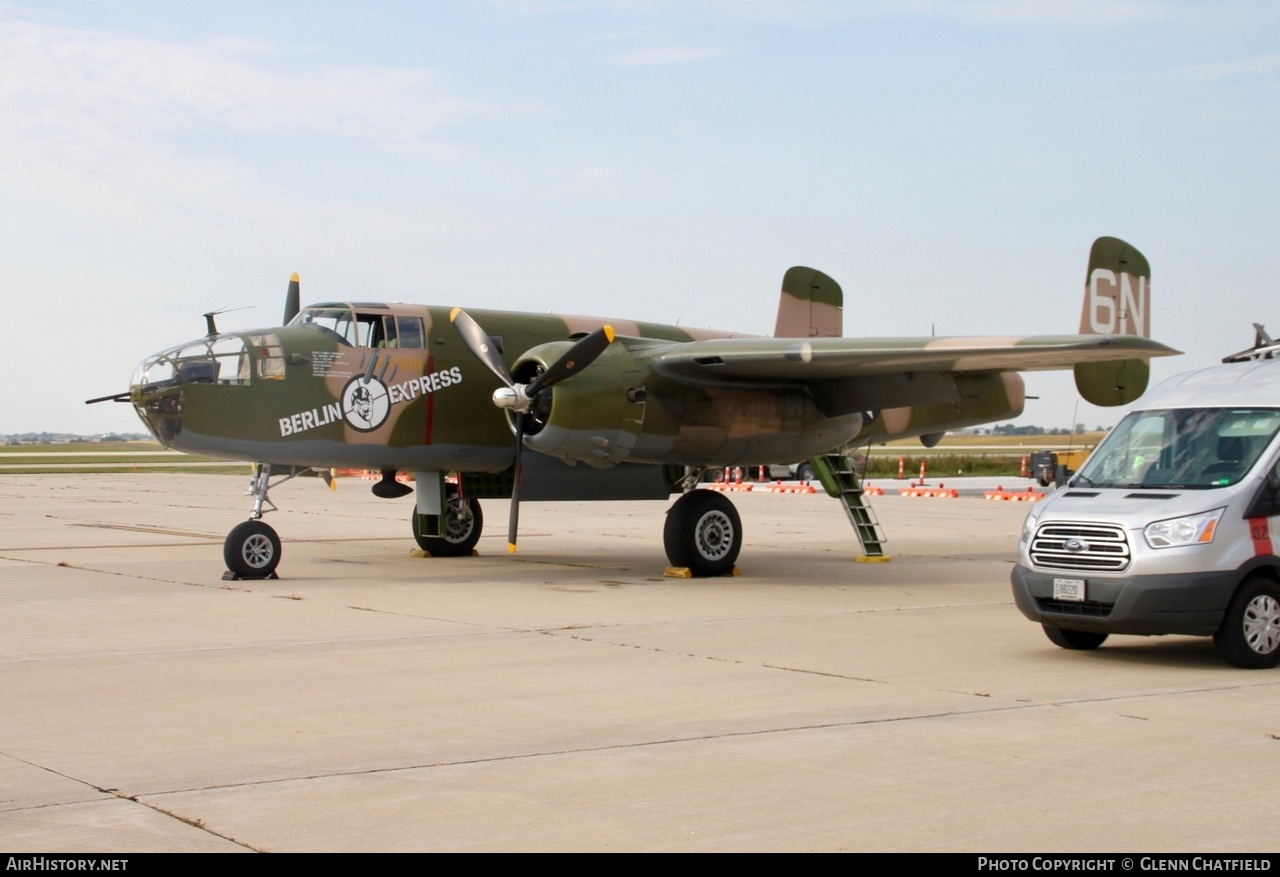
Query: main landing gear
[(252, 549), (457, 534), (703, 533)]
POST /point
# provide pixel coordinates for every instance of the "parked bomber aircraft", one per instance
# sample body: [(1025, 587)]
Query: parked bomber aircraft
[(498, 404)]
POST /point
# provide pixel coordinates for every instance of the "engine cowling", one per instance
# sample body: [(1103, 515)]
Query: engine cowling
[(593, 417)]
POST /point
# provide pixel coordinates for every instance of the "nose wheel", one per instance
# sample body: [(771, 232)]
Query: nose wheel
[(251, 551)]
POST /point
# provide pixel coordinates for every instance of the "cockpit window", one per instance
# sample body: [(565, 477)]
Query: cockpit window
[(336, 320), (361, 329)]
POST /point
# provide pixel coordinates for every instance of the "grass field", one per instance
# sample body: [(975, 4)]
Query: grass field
[(106, 457), (975, 454), (954, 455)]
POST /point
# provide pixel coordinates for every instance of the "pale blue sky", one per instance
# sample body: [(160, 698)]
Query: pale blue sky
[(948, 162)]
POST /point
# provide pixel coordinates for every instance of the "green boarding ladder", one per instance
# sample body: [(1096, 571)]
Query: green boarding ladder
[(839, 479)]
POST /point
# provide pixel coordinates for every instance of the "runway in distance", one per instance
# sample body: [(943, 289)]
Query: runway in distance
[(501, 404)]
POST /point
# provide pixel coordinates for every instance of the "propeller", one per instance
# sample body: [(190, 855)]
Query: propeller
[(292, 300), (519, 398)]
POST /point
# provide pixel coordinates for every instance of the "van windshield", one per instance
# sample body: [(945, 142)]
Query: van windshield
[(1181, 448)]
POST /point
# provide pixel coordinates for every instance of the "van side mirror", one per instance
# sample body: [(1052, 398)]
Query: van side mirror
[(1267, 501)]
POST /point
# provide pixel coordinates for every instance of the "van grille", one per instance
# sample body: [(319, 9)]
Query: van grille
[(1095, 547)]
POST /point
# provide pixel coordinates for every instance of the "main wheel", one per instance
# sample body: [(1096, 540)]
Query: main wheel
[(1067, 638), (1250, 634), (252, 550), (463, 522), (703, 532)]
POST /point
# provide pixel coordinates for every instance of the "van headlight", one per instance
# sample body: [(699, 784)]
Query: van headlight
[(1029, 525), (1188, 530)]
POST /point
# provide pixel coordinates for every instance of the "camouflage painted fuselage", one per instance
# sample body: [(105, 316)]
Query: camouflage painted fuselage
[(302, 395)]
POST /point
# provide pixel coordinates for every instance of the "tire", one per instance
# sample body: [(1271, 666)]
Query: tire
[(1079, 640), (1250, 633), (804, 472), (703, 533), (252, 550), (463, 523)]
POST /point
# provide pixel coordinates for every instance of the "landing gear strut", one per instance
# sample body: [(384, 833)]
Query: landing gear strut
[(252, 549)]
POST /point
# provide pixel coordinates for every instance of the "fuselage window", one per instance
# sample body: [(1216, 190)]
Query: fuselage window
[(231, 360), (410, 330), (268, 357)]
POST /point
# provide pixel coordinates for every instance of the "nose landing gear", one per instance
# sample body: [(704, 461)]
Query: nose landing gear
[(252, 549)]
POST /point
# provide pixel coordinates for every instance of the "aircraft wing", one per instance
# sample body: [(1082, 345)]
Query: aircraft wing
[(723, 361), (843, 375)]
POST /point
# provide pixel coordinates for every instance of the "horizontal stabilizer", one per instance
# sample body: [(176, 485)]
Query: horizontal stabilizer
[(1112, 383)]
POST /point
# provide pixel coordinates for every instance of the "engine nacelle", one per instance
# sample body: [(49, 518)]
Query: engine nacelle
[(983, 398), (594, 416)]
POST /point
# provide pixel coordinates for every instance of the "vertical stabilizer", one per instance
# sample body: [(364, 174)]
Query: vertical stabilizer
[(1117, 301), (810, 306), (1117, 291)]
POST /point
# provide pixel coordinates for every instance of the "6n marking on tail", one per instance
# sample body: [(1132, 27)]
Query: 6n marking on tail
[(1115, 306)]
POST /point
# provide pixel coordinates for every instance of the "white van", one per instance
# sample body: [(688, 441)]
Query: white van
[(1170, 526)]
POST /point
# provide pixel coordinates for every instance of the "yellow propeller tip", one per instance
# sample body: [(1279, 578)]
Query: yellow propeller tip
[(511, 548), (453, 314), (293, 278), (608, 333)]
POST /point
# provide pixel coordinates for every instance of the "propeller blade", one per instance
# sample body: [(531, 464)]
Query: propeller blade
[(513, 523), (518, 398), (480, 344), (292, 300), (574, 360)]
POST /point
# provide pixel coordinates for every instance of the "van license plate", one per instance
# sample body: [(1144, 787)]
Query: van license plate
[(1068, 589)]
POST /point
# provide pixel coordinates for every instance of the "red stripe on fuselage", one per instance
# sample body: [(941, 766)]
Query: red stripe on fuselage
[(431, 402)]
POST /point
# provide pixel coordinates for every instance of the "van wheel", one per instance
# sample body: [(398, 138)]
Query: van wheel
[(1250, 634), (1082, 640)]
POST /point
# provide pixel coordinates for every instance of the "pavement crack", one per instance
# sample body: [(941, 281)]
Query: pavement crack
[(826, 673), (134, 576), (112, 792), (586, 750), (194, 822), (665, 651)]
